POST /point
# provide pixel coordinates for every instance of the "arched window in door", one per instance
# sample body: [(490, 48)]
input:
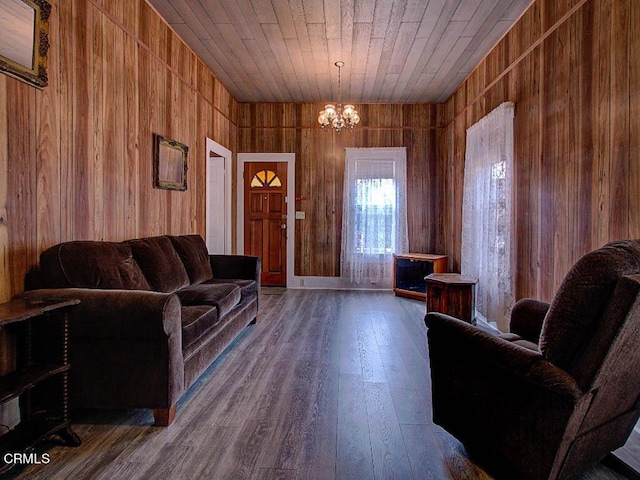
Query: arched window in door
[(265, 179)]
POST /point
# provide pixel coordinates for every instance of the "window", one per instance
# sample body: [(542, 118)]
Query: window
[(375, 212), (265, 179), (486, 214), (374, 217)]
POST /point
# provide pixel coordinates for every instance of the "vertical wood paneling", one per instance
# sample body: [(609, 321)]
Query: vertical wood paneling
[(21, 179), (5, 246), (634, 115), (76, 156), (320, 169), (576, 130)]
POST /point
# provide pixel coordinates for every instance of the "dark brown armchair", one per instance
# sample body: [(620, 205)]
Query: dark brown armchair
[(560, 391)]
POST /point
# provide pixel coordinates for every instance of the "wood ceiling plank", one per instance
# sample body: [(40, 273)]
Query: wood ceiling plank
[(285, 19), (168, 11), (382, 17), (319, 50), (391, 34), (373, 61), (448, 41), (213, 9), (364, 11), (332, 18), (467, 10), (238, 13), (402, 47), (276, 44), (414, 11), (347, 30), (298, 66), (449, 62), (313, 11), (190, 18), (360, 49), (264, 11), (430, 18)]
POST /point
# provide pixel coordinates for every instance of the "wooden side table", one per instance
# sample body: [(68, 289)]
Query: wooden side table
[(41, 380), (452, 294)]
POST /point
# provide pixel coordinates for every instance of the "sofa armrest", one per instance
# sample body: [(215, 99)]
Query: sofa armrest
[(126, 347), (527, 316), (119, 313), (236, 266)]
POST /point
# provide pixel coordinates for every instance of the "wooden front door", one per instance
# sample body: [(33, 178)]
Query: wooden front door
[(265, 218)]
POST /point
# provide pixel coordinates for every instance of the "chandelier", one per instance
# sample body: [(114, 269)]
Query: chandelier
[(338, 117)]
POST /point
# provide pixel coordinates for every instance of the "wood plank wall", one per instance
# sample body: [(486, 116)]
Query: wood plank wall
[(572, 67), (293, 128), (76, 157)]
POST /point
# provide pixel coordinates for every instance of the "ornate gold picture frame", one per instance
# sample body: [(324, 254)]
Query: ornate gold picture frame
[(24, 40), (169, 163)]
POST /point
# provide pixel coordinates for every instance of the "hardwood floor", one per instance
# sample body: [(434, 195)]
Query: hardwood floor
[(327, 385)]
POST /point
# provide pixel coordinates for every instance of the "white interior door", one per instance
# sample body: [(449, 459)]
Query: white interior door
[(218, 207)]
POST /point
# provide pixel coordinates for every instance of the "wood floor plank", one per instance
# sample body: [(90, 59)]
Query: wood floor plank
[(328, 385), (390, 459), (353, 459), (420, 442)]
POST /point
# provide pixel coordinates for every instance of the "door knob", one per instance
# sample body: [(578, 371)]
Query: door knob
[(283, 226)]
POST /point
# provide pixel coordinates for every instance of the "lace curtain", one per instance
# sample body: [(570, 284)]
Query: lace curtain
[(374, 220), (486, 215)]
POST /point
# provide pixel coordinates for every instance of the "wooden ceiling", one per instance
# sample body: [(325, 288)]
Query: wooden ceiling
[(395, 51)]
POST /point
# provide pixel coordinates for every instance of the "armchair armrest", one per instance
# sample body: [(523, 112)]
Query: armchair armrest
[(527, 316), (455, 344), (236, 266)]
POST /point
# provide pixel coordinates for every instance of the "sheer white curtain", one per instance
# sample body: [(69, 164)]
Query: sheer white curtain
[(486, 216), (374, 219)]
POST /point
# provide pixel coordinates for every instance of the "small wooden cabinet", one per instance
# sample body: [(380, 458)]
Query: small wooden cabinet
[(41, 381), (410, 269), (452, 294)]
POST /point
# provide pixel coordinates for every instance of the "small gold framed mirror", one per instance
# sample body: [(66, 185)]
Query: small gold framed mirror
[(24, 40), (169, 163)]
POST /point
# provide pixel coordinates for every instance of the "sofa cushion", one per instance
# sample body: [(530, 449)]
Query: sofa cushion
[(194, 255), (92, 264), (197, 320), (223, 296), (248, 288), (160, 263)]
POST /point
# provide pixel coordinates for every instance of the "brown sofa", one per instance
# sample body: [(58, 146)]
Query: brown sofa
[(154, 314)]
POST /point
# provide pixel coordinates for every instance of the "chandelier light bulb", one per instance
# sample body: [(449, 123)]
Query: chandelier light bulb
[(347, 111), (330, 111)]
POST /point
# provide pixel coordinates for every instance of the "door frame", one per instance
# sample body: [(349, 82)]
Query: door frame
[(290, 160), (219, 150)]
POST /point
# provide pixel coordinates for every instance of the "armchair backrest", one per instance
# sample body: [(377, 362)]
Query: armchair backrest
[(594, 311)]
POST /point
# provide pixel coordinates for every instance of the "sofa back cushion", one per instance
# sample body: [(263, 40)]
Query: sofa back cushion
[(160, 263), (194, 255), (91, 264)]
